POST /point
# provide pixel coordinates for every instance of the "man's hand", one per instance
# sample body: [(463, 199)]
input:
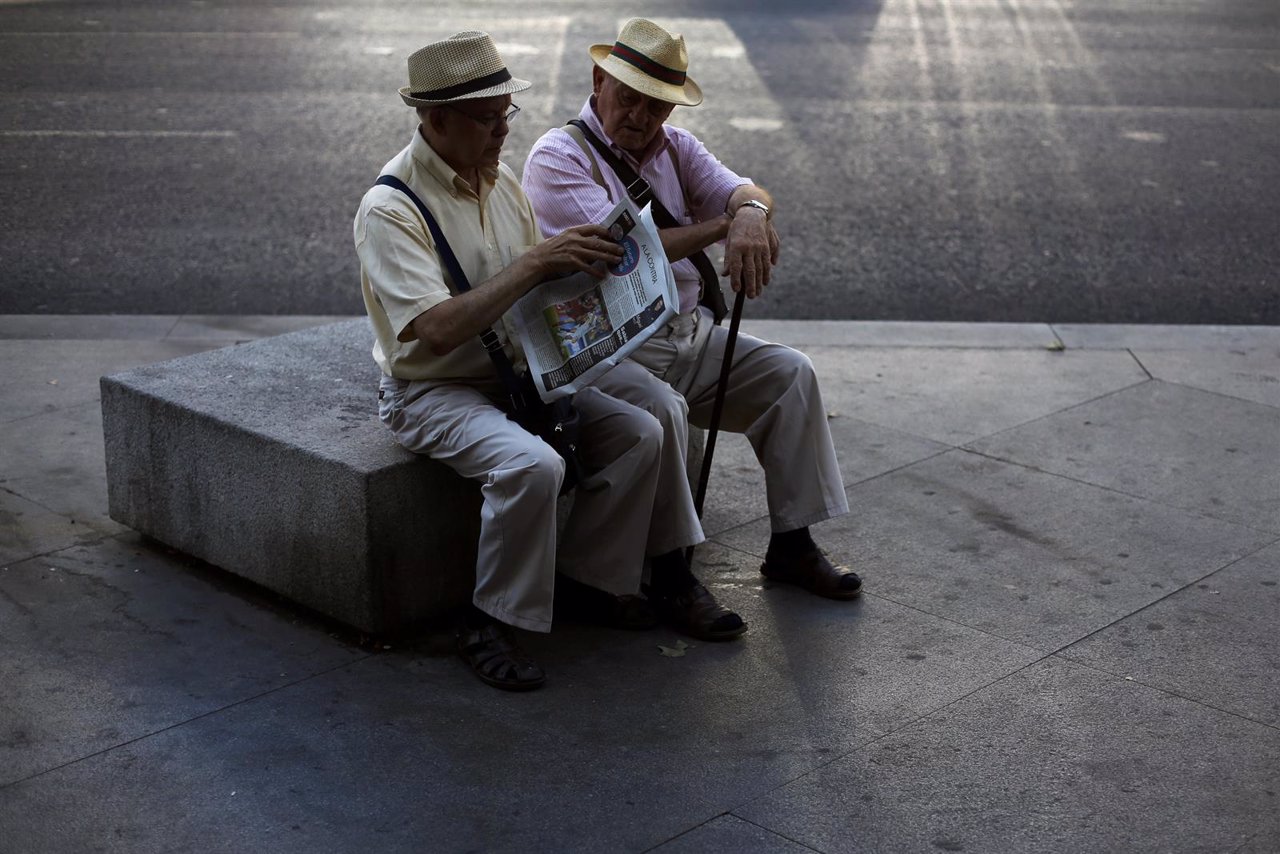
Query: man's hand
[(750, 251), (584, 248)]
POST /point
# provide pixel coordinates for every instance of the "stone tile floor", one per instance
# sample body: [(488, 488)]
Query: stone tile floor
[(1068, 640)]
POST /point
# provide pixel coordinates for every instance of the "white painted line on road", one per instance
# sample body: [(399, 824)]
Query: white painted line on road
[(751, 123), (150, 34), (1144, 136), (518, 49), (124, 134)]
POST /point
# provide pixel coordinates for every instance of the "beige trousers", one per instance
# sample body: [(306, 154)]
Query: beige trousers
[(772, 397), (603, 542)]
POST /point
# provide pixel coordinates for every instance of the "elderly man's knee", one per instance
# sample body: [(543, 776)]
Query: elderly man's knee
[(670, 410), (796, 364), (648, 431), (536, 462)]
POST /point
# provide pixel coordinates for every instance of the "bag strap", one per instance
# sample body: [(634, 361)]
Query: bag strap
[(640, 192), (488, 337), (576, 132)]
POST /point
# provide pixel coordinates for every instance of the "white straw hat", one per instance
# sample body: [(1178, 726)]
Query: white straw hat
[(650, 60), (463, 66)]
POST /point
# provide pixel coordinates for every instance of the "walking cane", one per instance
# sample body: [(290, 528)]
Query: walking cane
[(717, 410)]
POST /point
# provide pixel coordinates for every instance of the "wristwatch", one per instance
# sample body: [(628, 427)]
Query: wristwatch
[(754, 203)]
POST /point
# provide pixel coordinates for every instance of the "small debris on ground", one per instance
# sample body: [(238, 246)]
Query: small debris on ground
[(674, 651)]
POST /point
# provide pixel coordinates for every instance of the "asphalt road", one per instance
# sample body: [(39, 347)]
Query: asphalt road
[(1099, 160)]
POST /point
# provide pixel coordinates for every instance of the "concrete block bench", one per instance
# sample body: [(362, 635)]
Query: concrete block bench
[(268, 460)]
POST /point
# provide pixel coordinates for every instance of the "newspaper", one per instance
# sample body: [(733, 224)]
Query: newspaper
[(576, 328)]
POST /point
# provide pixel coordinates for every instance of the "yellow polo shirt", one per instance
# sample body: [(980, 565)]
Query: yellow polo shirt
[(401, 274)]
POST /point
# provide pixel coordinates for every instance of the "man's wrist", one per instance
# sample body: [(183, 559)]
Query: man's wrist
[(754, 205)]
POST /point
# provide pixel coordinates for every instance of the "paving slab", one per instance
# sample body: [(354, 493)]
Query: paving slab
[(1247, 374), (1187, 448), (57, 460), (805, 334), (27, 529), (72, 327), (1215, 642), (114, 641), (1157, 336), (956, 396), (730, 835), (736, 491), (247, 327), (624, 749), (42, 376), (1025, 555), (1057, 758)]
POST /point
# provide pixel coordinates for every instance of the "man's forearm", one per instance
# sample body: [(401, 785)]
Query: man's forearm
[(682, 241), (447, 325)]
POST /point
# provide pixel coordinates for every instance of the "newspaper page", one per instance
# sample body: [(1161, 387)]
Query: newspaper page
[(576, 328)]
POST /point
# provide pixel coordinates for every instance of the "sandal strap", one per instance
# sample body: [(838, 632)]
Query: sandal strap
[(494, 656)]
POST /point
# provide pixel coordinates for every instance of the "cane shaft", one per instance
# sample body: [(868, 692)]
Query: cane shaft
[(717, 408)]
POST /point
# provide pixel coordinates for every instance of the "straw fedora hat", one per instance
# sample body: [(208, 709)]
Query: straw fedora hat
[(463, 66), (650, 60)]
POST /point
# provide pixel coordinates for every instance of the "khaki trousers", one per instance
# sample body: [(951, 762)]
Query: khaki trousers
[(603, 542), (772, 397)]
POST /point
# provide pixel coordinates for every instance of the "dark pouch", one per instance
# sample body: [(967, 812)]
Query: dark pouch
[(557, 423)]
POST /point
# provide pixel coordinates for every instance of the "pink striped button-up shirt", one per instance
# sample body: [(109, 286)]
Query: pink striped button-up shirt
[(559, 183)]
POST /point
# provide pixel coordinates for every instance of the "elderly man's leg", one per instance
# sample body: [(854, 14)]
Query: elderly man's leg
[(601, 553), (677, 594), (773, 398), (520, 476)]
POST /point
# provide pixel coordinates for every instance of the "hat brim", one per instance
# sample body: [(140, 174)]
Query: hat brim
[(688, 95), (510, 87)]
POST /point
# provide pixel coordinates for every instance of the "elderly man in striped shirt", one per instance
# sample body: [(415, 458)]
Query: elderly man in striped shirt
[(574, 175)]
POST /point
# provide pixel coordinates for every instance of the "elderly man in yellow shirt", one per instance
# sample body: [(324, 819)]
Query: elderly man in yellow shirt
[(440, 395)]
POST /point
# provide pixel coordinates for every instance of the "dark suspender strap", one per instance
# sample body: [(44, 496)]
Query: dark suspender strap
[(488, 337), (641, 193)]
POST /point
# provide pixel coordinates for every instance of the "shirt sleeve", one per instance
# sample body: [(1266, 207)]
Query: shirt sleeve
[(708, 183), (560, 187), (401, 264)]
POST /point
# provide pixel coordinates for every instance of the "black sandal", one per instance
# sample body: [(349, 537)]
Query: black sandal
[(494, 656)]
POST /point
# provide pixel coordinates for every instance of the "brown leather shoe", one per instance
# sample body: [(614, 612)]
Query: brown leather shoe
[(697, 613), (812, 571)]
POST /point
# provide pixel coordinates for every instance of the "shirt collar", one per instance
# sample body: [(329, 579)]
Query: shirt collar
[(656, 147)]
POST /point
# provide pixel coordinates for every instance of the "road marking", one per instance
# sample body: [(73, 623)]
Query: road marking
[(751, 123), (124, 134), (150, 34), (1144, 136), (518, 49)]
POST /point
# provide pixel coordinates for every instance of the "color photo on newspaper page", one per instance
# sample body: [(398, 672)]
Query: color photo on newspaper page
[(576, 328)]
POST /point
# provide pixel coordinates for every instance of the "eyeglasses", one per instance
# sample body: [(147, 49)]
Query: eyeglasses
[(493, 121)]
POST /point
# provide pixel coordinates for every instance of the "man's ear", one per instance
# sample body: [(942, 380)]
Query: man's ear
[(597, 79), (435, 119)]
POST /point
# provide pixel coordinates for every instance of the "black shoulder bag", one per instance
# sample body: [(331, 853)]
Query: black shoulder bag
[(557, 423), (641, 193)]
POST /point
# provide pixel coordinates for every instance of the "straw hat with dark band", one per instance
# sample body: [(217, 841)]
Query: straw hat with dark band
[(461, 67), (650, 60)]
